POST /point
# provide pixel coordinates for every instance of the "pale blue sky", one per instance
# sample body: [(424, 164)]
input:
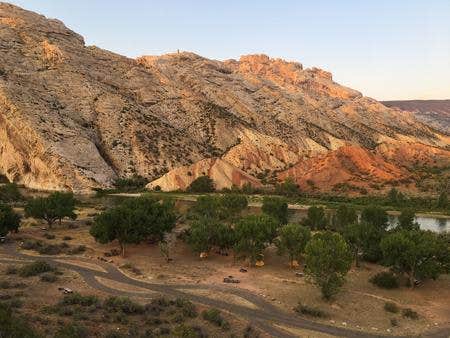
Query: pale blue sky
[(387, 49)]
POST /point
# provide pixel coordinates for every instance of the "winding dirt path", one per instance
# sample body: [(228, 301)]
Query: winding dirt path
[(264, 315)]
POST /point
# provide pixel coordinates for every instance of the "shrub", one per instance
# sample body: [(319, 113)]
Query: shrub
[(394, 322), (202, 184), (385, 280), (49, 277), (124, 305), (78, 299), (185, 331), (67, 238), (35, 268), (72, 331), (13, 326), (410, 313), (391, 307), (49, 236), (310, 311), (214, 316), (188, 309), (31, 245), (50, 249), (77, 250)]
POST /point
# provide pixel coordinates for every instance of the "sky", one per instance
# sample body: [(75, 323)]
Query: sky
[(384, 48)]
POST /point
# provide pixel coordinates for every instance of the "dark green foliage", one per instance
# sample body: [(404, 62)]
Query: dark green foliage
[(206, 233), (385, 280), (9, 220), (344, 216), (417, 253), (391, 307), (310, 311), (232, 205), (292, 241), (407, 220), (134, 183), (12, 326), (56, 206), (395, 197), (252, 234), (328, 259), (215, 317), (316, 218), (355, 235), (375, 222), (134, 220), (124, 305), (185, 331), (410, 313), (35, 268), (277, 208), (287, 188), (226, 207), (73, 330), (9, 192), (202, 184)]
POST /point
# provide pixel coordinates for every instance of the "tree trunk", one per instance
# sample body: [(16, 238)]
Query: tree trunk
[(357, 258), (49, 223), (122, 247), (411, 279)]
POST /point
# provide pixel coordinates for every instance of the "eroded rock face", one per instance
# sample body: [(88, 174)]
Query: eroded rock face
[(77, 117)]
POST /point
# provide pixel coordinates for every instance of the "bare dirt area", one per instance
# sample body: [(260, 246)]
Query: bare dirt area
[(359, 306)]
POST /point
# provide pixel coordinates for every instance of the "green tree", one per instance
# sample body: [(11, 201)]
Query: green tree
[(202, 184), (9, 220), (13, 326), (344, 216), (376, 216), (443, 200), (232, 205), (287, 188), (417, 253), (407, 220), (135, 220), (392, 196), (276, 207), (9, 192), (328, 259), (316, 218), (56, 206), (252, 234), (202, 234), (206, 207), (292, 241), (355, 236)]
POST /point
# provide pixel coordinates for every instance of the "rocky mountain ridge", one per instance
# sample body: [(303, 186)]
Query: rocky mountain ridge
[(77, 117)]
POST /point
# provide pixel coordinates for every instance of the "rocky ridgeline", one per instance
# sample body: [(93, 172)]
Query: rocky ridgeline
[(76, 117)]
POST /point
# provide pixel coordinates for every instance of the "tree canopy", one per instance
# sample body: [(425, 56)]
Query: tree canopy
[(56, 206), (292, 241), (9, 192), (287, 188), (443, 200), (344, 216), (276, 207), (407, 220), (9, 220), (226, 207), (252, 234), (376, 216), (135, 220), (316, 218), (417, 253), (328, 259), (202, 184)]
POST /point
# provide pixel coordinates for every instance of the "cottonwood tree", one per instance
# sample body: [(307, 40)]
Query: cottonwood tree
[(276, 207), (316, 218), (355, 236), (375, 221), (9, 220), (328, 259), (134, 221), (292, 241), (443, 200), (344, 215), (252, 235), (202, 184), (9, 192), (56, 206), (407, 220), (417, 253), (287, 188)]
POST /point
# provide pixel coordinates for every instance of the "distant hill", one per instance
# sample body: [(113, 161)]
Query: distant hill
[(433, 112)]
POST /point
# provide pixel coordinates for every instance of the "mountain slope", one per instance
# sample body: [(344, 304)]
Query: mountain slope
[(433, 112), (77, 117)]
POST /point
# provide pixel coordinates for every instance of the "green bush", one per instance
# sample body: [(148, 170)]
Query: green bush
[(77, 250), (391, 307), (410, 313), (202, 184), (13, 326), (310, 311), (49, 236), (188, 309), (385, 280), (78, 299), (214, 316), (35, 268), (394, 322), (123, 304)]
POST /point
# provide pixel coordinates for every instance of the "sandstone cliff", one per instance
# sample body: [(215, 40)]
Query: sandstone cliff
[(76, 117)]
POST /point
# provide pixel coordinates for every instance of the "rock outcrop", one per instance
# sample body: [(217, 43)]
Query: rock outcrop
[(77, 117)]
